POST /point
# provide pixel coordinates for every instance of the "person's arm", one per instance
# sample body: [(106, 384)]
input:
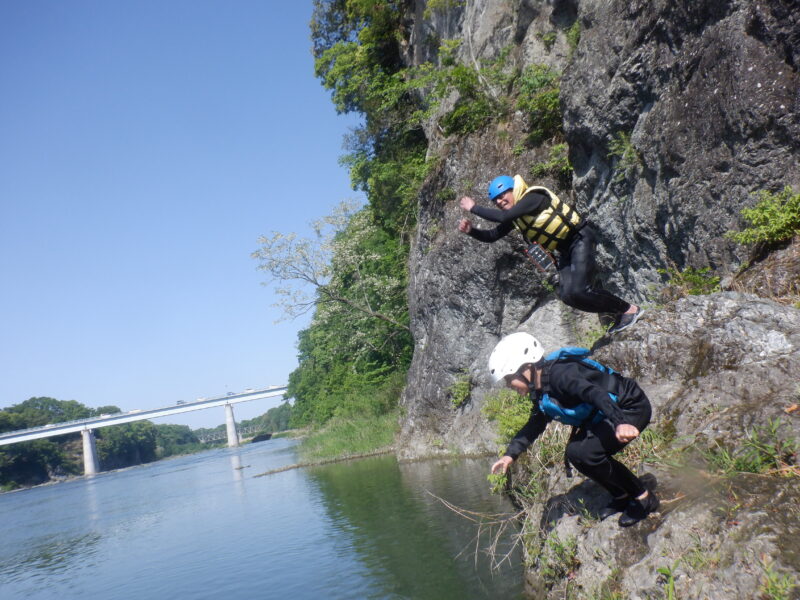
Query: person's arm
[(529, 204), (490, 235), (482, 235), (525, 437)]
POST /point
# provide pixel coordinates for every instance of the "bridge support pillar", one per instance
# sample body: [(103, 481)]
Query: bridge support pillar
[(230, 426), (90, 464)]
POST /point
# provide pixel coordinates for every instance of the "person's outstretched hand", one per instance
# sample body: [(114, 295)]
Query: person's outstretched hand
[(464, 226), (501, 466), (466, 203)]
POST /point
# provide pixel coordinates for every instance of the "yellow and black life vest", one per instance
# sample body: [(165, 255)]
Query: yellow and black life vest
[(556, 223)]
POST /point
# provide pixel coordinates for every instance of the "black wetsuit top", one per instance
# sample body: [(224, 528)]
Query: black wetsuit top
[(573, 383)]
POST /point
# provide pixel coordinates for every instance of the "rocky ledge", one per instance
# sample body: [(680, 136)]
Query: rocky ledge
[(721, 372)]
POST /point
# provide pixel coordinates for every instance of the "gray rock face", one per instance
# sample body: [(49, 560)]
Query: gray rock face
[(710, 96)]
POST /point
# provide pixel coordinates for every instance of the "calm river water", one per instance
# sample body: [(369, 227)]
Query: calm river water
[(203, 526)]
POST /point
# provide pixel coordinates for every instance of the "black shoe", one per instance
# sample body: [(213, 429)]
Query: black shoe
[(624, 321), (616, 505), (638, 510)]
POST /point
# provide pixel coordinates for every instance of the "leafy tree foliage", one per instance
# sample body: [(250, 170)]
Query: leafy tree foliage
[(125, 445), (274, 420), (360, 332), (354, 272), (42, 411), (34, 462)]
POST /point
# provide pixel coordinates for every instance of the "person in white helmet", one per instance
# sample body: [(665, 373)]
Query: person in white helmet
[(608, 410)]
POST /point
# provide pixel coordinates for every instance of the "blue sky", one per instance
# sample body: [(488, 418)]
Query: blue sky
[(144, 148)]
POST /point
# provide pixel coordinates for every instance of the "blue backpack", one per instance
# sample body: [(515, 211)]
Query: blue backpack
[(583, 413)]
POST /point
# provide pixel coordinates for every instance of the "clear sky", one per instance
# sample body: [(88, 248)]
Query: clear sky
[(144, 147)]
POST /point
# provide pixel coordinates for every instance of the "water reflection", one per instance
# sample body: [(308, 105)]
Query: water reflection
[(48, 557), (413, 545), (456, 492), (92, 504)]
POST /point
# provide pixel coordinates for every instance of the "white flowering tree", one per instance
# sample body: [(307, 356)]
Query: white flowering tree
[(353, 273), (337, 270)]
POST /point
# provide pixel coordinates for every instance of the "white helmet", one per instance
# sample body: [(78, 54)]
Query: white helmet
[(512, 352)]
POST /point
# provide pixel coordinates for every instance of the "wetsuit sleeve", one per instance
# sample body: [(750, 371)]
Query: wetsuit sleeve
[(527, 435), (490, 235), (529, 204), (584, 384)]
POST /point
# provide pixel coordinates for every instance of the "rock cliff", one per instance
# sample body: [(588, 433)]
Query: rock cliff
[(705, 97), (709, 97)]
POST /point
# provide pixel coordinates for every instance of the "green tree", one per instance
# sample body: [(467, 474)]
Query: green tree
[(121, 446), (34, 462), (175, 439), (353, 274), (274, 420), (43, 410)]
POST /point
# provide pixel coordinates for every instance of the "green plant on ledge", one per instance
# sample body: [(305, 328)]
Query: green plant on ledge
[(461, 389), (764, 451), (440, 6), (773, 219), (668, 574), (775, 585), (539, 89), (573, 37), (497, 482), (558, 558), (548, 39), (691, 281), (557, 166), (630, 160), (509, 411)]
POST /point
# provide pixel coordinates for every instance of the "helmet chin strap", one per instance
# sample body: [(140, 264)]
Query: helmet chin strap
[(535, 367)]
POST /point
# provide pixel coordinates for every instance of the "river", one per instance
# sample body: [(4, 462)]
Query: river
[(207, 526)]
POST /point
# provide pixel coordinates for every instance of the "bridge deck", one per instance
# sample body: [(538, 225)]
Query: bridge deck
[(34, 433)]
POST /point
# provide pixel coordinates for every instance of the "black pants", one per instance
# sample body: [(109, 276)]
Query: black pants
[(591, 451), (576, 270)]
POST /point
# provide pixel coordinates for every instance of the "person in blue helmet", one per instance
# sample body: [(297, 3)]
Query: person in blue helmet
[(607, 412), (542, 218)]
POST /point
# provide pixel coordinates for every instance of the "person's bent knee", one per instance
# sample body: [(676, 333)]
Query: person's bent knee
[(569, 297), (580, 456), (576, 455)]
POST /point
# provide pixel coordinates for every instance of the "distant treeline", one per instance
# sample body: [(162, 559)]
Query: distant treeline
[(38, 461)]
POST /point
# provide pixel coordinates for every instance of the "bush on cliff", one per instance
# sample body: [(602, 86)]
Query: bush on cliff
[(773, 219)]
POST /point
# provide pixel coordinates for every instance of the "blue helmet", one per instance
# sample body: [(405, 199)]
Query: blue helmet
[(499, 185)]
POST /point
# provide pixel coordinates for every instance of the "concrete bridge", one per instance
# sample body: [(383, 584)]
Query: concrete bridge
[(87, 426)]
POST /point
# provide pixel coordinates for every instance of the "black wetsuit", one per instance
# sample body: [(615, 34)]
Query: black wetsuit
[(576, 255), (591, 448)]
